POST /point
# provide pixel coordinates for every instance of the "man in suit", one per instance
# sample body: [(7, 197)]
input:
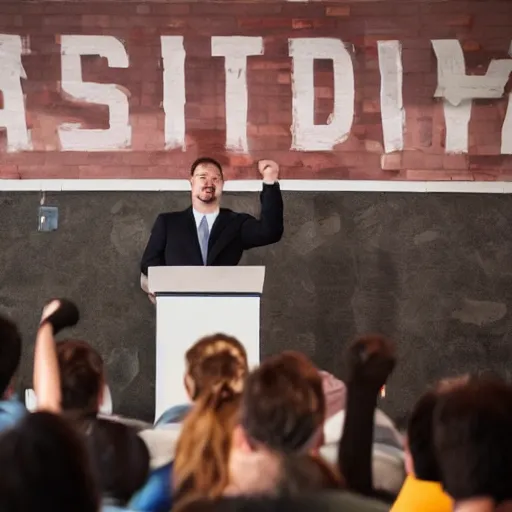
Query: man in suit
[(205, 233)]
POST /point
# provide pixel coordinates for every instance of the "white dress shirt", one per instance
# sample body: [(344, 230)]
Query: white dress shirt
[(210, 218)]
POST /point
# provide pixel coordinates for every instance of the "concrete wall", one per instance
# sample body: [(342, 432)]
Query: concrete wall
[(431, 271)]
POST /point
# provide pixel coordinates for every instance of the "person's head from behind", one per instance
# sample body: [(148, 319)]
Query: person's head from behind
[(216, 368), (214, 359), (82, 377), (46, 467), (120, 459), (10, 355), (473, 441), (207, 181), (420, 453), (283, 406)]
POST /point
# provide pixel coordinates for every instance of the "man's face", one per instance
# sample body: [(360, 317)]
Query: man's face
[(207, 183)]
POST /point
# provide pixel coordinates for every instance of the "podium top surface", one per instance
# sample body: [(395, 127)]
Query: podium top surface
[(204, 279)]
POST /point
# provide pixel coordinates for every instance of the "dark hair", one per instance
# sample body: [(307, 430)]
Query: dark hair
[(120, 458), (472, 434), (283, 403), (10, 352), (302, 473), (205, 160), (81, 375), (45, 467), (420, 438), (420, 429)]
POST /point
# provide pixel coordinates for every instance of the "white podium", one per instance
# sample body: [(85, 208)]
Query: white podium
[(192, 302)]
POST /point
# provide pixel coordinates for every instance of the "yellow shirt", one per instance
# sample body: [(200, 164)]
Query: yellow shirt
[(422, 496)]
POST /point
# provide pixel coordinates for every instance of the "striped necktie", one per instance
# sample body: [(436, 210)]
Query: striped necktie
[(203, 234)]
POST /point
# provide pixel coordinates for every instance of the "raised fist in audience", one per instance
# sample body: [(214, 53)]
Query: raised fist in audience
[(60, 313), (370, 361)]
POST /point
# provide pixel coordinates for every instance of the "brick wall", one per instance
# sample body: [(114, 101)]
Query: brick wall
[(482, 28)]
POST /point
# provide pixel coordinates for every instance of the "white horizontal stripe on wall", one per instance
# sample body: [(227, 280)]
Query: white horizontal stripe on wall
[(156, 185)]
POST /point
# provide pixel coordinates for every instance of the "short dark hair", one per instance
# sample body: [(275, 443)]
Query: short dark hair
[(302, 473), (473, 441), (205, 160), (120, 458), (420, 438), (81, 376), (283, 403), (10, 352), (420, 428), (46, 467)]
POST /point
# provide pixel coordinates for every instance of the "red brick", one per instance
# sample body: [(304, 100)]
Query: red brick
[(413, 159), (455, 161), (282, 117), (299, 24), (433, 161), (143, 9), (462, 20), (487, 175), (324, 92), (422, 175), (391, 161), (264, 23), (373, 146), (273, 129), (284, 78), (471, 46), (9, 171), (341, 10), (171, 9), (240, 160), (269, 65), (371, 106)]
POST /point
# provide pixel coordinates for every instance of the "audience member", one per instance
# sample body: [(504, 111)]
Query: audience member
[(81, 378), (370, 360), (472, 426), (120, 460), (326, 501), (11, 409), (245, 439), (216, 368), (283, 406), (422, 490), (45, 467)]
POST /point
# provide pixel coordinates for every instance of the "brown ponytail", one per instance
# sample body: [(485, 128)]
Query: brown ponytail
[(202, 454)]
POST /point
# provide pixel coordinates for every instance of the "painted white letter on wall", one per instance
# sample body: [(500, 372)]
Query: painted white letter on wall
[(12, 115), (391, 99), (72, 136), (236, 49), (459, 89), (173, 57), (305, 134), (506, 132)]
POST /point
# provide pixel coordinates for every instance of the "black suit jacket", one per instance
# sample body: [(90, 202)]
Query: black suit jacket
[(173, 239)]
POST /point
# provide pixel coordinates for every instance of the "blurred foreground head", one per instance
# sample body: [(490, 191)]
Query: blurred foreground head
[(45, 467), (81, 377), (10, 354), (283, 406), (473, 441)]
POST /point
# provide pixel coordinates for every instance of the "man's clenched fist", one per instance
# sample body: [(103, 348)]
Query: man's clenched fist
[(269, 170)]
